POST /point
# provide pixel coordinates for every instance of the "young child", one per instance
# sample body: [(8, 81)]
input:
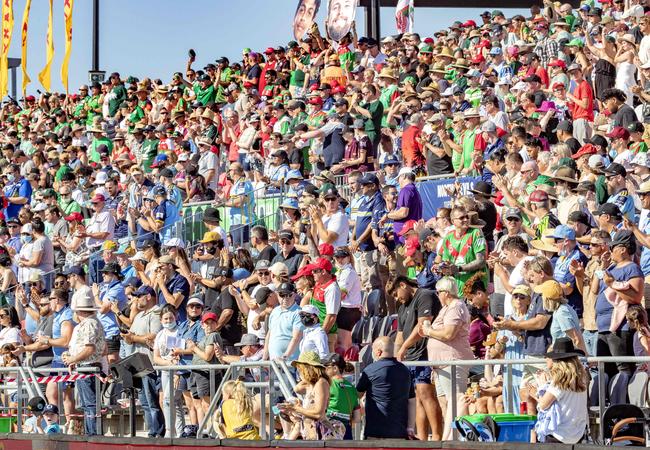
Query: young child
[(51, 418), (637, 318), (234, 420)]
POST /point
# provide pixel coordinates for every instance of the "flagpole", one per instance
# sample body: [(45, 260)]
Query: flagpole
[(95, 67)]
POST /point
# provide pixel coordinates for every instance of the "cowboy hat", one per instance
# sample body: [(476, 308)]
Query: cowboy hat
[(563, 348), (461, 63), (565, 174), (546, 243), (445, 52), (387, 73), (482, 188), (208, 114)]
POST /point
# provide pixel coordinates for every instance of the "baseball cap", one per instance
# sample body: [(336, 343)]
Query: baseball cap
[(303, 272), (209, 316), (521, 289), (98, 198), (409, 226), (369, 178), (610, 209), (538, 196), (248, 339), (309, 309), (550, 289), (512, 213), (144, 290), (322, 264), (564, 232), (326, 249), (286, 288), (618, 133), (564, 125), (225, 272), (51, 409), (74, 217), (262, 264), (279, 269), (616, 169), (578, 217), (587, 149), (196, 299)]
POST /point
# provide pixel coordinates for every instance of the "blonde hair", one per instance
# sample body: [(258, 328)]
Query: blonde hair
[(569, 375), (552, 305), (238, 393), (311, 374)]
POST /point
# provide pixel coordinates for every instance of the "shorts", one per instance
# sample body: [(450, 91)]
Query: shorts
[(60, 365), (420, 375), (443, 382), (347, 318), (200, 383), (113, 344), (184, 381)]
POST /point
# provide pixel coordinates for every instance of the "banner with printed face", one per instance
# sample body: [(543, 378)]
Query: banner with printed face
[(340, 15), (404, 16), (304, 17)]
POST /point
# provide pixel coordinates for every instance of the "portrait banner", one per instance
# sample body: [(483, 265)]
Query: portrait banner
[(340, 16), (404, 16), (304, 17)]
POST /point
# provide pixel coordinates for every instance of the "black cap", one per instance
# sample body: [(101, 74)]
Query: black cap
[(598, 139), (341, 102), (341, 252), (211, 215), (369, 178), (564, 125), (286, 288), (51, 409), (615, 169), (610, 209), (623, 237), (167, 173), (334, 359), (147, 243), (36, 405), (636, 127), (262, 295), (225, 272), (112, 267), (533, 78), (285, 234)]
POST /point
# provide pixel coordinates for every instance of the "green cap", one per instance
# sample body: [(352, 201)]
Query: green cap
[(542, 179), (497, 12), (426, 49), (246, 50), (575, 43)]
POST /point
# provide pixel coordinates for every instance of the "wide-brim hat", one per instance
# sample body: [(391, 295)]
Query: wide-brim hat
[(461, 63), (444, 52), (94, 129), (566, 174), (309, 358), (482, 188), (208, 114), (546, 243), (387, 73), (563, 348)]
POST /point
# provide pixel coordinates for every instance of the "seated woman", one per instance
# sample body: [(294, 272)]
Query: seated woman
[(562, 395), (234, 420)]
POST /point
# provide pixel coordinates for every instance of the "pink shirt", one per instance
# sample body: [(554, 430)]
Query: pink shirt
[(454, 314)]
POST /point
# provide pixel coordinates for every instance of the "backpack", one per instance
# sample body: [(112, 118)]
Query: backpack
[(485, 430)]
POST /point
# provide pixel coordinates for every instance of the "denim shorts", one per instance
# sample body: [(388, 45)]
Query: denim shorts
[(420, 375)]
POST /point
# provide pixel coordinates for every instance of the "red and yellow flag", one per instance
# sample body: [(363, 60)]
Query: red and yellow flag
[(7, 28), (67, 16), (23, 60), (45, 76)]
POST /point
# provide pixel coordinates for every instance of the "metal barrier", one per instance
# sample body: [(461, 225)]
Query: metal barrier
[(277, 374)]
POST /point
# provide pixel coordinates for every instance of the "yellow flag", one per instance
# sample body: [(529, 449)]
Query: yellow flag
[(45, 77), (23, 60), (7, 28), (67, 16)]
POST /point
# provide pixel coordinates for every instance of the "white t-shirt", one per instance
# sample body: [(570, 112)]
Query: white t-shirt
[(252, 315), (207, 162), (315, 339), (516, 278), (11, 335), (349, 281), (332, 296), (338, 223), (102, 222), (573, 414)]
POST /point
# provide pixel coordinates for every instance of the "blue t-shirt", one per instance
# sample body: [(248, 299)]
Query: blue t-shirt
[(604, 309), (20, 188), (562, 275), (113, 292), (246, 213), (625, 203), (564, 319), (168, 214), (282, 324), (537, 341), (364, 217), (59, 317), (388, 389), (644, 226), (177, 284), (192, 331)]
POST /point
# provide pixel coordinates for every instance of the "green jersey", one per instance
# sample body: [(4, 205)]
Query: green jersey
[(225, 77), (344, 399), (117, 96), (205, 96), (93, 154), (464, 250), (386, 99)]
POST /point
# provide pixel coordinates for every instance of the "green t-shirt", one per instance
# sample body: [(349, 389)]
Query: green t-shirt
[(385, 99), (205, 96), (322, 313), (93, 104), (136, 116), (62, 171), (149, 150), (226, 77), (119, 95), (373, 125), (469, 141), (463, 251), (344, 399), (69, 207), (93, 153)]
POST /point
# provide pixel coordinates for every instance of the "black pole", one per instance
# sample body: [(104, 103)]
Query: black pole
[(368, 18), (95, 35), (375, 7)]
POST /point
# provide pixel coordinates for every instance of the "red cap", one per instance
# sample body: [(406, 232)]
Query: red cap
[(269, 51), (618, 133), (485, 43), (30, 98), (558, 63), (477, 59), (316, 101), (74, 217), (428, 40), (338, 90), (408, 226), (557, 85), (98, 198), (248, 84), (326, 249), (209, 316), (314, 87), (304, 271), (322, 264), (469, 23), (538, 196), (411, 245), (587, 149)]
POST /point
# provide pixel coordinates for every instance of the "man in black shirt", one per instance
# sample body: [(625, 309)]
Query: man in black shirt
[(623, 114), (417, 305), (288, 255), (260, 247), (390, 398)]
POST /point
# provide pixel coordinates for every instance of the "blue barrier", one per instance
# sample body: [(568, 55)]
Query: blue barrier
[(434, 192)]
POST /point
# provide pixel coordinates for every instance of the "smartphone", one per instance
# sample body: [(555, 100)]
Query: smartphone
[(275, 410)]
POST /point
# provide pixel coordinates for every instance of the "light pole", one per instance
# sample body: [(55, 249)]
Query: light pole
[(95, 74)]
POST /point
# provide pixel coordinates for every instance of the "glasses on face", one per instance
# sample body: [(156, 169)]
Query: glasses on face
[(195, 306), (285, 241), (520, 297), (59, 283), (513, 219), (465, 217), (286, 295), (12, 226), (331, 199), (263, 273)]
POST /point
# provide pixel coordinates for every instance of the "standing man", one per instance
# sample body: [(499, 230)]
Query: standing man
[(581, 105), (100, 228), (390, 397), (326, 297), (409, 203), (17, 191), (242, 205), (417, 305)]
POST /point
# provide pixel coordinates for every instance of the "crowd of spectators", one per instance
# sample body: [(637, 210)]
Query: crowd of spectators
[(546, 253)]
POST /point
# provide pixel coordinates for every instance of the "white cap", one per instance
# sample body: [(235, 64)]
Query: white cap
[(309, 309), (174, 242), (101, 178), (183, 157), (279, 269), (27, 228), (634, 11), (405, 171), (39, 207), (596, 161), (139, 256), (641, 159)]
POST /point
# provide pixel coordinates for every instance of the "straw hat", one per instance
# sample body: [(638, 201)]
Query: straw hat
[(96, 127), (546, 243), (461, 63), (438, 68), (387, 73), (208, 114), (309, 358), (445, 52)]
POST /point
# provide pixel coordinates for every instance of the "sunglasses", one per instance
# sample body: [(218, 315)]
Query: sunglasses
[(331, 199), (12, 226), (461, 217), (286, 295), (285, 241), (520, 297), (263, 273), (195, 306), (513, 219)]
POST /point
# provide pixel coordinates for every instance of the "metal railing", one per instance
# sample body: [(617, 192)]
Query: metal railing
[(277, 377)]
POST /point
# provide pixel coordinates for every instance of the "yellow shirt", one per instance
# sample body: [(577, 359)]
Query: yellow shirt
[(235, 421)]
